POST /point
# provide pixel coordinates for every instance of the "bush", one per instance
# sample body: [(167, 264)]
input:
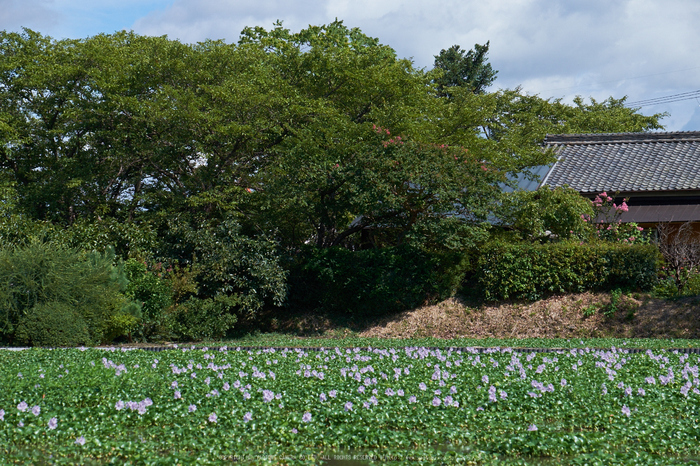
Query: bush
[(53, 324), (538, 214), (152, 290), (375, 281), (49, 274), (532, 271), (230, 264), (199, 319)]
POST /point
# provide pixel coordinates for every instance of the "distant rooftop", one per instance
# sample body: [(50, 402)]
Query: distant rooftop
[(626, 162)]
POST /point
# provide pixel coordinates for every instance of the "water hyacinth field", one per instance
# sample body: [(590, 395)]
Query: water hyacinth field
[(342, 406)]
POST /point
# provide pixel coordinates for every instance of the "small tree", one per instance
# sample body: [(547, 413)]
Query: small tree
[(681, 251), (608, 222)]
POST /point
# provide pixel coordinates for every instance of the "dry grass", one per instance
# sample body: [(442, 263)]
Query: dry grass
[(583, 315), (567, 316)]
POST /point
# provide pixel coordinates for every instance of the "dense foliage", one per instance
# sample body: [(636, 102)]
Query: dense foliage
[(221, 162), (41, 278), (531, 271), (372, 282), (402, 405)]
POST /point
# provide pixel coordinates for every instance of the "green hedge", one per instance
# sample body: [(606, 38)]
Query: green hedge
[(532, 271), (373, 282)]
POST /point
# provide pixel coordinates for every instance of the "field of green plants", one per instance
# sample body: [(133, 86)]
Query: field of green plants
[(352, 406)]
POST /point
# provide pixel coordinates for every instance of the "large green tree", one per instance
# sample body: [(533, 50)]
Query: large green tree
[(285, 130), (457, 67)]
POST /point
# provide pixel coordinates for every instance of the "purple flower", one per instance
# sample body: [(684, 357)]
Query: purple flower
[(626, 411), (563, 382), (22, 406), (422, 386), (192, 408), (322, 397), (532, 427), (436, 401), (212, 417), (306, 417), (226, 386), (177, 394), (389, 392), (399, 392), (36, 410), (119, 405), (641, 392), (332, 393), (492, 394), (348, 406), (248, 416), (174, 384), (53, 423), (294, 431), (2, 414), (268, 396), (412, 399), (485, 379), (80, 440)]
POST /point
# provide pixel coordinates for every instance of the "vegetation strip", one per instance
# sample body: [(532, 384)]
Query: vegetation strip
[(468, 349), (410, 405)]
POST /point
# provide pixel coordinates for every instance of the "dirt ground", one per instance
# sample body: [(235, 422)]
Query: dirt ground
[(567, 316)]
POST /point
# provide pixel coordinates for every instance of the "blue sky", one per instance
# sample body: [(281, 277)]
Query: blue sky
[(642, 49)]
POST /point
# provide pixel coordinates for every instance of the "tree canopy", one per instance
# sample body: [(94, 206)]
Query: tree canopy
[(313, 136), (462, 68)]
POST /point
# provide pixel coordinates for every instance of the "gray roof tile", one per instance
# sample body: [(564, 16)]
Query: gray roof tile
[(626, 162)]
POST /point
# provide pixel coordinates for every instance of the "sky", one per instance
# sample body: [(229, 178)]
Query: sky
[(642, 49)]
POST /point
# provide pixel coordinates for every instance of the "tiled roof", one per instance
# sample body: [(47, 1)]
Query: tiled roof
[(626, 162)]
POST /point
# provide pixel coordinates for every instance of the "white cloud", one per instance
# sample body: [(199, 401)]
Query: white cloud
[(32, 14), (554, 48)]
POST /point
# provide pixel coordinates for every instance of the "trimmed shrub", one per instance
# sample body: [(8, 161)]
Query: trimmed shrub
[(375, 281), (532, 271), (53, 324)]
